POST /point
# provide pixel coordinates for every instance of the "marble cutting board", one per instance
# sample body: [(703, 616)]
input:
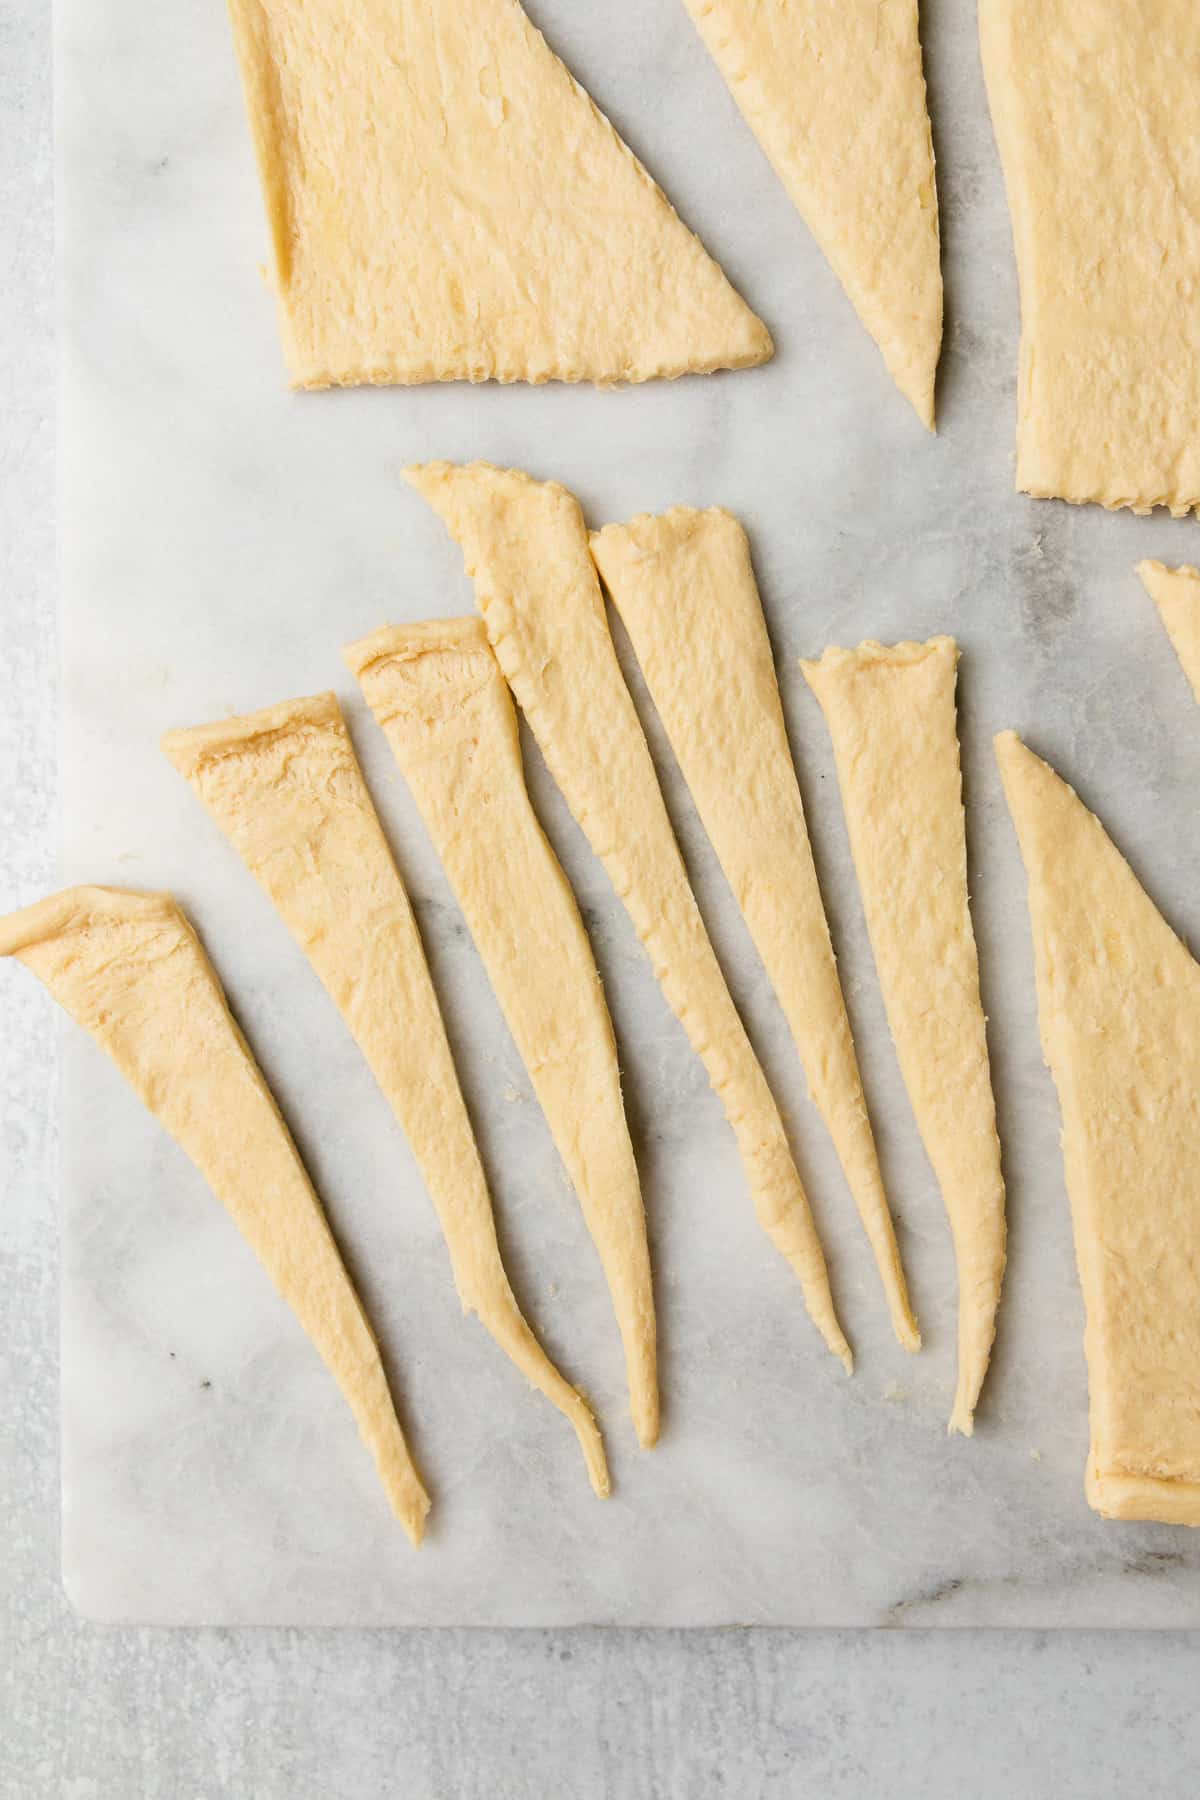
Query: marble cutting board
[(222, 539)]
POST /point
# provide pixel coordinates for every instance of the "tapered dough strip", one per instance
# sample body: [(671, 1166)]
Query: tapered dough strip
[(1176, 593), (1119, 1012), (526, 550), (285, 787), (834, 92), (129, 968), (437, 691), (684, 587), (1094, 107), (891, 715), (446, 203)]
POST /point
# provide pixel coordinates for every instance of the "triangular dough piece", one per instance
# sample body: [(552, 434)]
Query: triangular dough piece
[(835, 94), (525, 546), (1176, 593), (446, 203), (891, 715), (1094, 109), (437, 691), (285, 787), (685, 589), (1119, 1009), (129, 968)]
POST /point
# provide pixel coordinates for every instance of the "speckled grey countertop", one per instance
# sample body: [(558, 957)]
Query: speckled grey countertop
[(89, 1713)]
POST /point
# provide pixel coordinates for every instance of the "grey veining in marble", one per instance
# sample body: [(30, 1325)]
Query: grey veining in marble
[(222, 539), (94, 1713)]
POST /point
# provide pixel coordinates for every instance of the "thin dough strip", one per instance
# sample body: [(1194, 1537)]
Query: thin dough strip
[(285, 787), (1119, 1014), (129, 968), (891, 716), (438, 694), (684, 587), (525, 548)]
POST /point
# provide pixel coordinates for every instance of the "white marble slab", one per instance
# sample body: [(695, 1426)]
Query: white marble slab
[(222, 539)]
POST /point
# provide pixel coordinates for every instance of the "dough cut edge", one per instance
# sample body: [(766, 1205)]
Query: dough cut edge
[(871, 654), (75, 908), (408, 641), (190, 747), (1145, 1497), (1042, 488)]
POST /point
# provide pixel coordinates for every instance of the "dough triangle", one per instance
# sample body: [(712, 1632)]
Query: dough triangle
[(685, 589), (525, 546), (438, 694), (446, 203), (1176, 593), (835, 94), (285, 787), (1119, 1010), (129, 968), (891, 715)]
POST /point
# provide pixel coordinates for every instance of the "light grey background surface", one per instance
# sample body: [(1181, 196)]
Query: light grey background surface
[(88, 1712)]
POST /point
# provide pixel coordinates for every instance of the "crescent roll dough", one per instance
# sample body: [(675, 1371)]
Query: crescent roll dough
[(446, 203), (525, 547), (685, 589), (1119, 1010), (1094, 108), (129, 968), (285, 787), (437, 691), (891, 716), (1176, 593), (834, 92)]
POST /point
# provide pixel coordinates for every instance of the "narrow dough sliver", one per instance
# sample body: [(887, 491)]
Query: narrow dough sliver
[(1119, 1014), (285, 787), (439, 696), (1176, 593), (130, 970), (525, 547), (446, 203), (834, 92), (684, 587), (891, 716), (1094, 107)]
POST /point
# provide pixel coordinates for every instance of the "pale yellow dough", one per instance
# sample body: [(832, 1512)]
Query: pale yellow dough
[(129, 968), (446, 203), (891, 716), (1094, 108), (835, 94), (285, 787), (1119, 1009), (1176, 593), (437, 691), (684, 587), (526, 550)]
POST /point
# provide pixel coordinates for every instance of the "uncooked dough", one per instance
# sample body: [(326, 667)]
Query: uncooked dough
[(129, 968), (285, 787), (684, 587), (526, 550), (1176, 593), (437, 691), (891, 716), (446, 203), (1119, 1009), (835, 94), (1094, 111)]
